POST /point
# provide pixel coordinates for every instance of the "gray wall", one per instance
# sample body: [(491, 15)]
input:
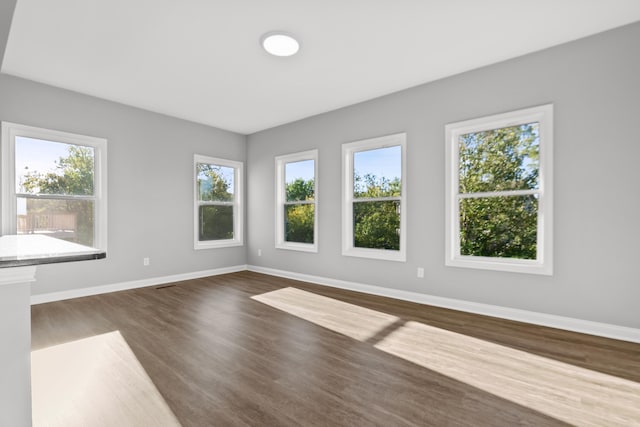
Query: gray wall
[(150, 183), (594, 86)]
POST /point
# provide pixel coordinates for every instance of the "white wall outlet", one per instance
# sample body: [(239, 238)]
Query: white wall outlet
[(259, 252), (145, 261), (420, 273)]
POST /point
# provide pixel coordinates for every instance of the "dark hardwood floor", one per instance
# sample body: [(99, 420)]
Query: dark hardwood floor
[(222, 358)]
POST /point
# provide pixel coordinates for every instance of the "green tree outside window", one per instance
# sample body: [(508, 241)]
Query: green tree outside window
[(495, 161)]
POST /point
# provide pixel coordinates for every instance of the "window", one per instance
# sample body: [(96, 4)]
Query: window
[(499, 192), (296, 200), (373, 208), (218, 203), (54, 184)]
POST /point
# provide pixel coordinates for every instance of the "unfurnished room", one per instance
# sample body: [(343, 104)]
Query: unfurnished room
[(319, 213)]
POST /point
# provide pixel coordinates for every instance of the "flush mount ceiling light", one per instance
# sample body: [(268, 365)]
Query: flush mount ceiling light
[(279, 43)]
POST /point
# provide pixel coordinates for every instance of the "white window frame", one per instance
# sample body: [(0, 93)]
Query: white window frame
[(348, 151), (543, 264), (9, 195), (238, 213), (281, 200)]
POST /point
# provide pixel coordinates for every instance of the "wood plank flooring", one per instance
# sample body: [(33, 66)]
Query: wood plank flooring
[(242, 350)]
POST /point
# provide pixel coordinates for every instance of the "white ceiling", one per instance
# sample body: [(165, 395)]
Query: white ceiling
[(201, 60)]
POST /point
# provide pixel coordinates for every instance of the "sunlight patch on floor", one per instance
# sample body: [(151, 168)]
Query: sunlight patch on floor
[(96, 381), (567, 392), (348, 319), (563, 391)]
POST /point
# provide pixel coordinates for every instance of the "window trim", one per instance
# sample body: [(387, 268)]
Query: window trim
[(543, 264), (238, 210), (281, 162), (348, 151), (9, 195)]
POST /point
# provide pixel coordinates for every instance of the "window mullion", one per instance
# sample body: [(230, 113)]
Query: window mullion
[(378, 199), (498, 194), (213, 203), (300, 202), (55, 196)]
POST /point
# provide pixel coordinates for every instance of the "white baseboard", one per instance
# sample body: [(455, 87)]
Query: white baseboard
[(576, 325), (154, 281)]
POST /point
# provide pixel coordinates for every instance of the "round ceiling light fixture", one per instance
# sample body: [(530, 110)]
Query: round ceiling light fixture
[(279, 43)]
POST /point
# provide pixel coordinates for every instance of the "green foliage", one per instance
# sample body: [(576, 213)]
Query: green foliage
[(215, 184), (300, 190), (370, 186), (299, 218), (376, 223), (216, 222), (499, 160), (73, 176), (502, 227)]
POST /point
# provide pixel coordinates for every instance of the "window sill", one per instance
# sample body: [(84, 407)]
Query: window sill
[(381, 254), (301, 247), (505, 264), (216, 244)]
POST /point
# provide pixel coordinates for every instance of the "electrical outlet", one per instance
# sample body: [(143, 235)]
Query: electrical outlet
[(145, 261), (420, 273), (259, 252)]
